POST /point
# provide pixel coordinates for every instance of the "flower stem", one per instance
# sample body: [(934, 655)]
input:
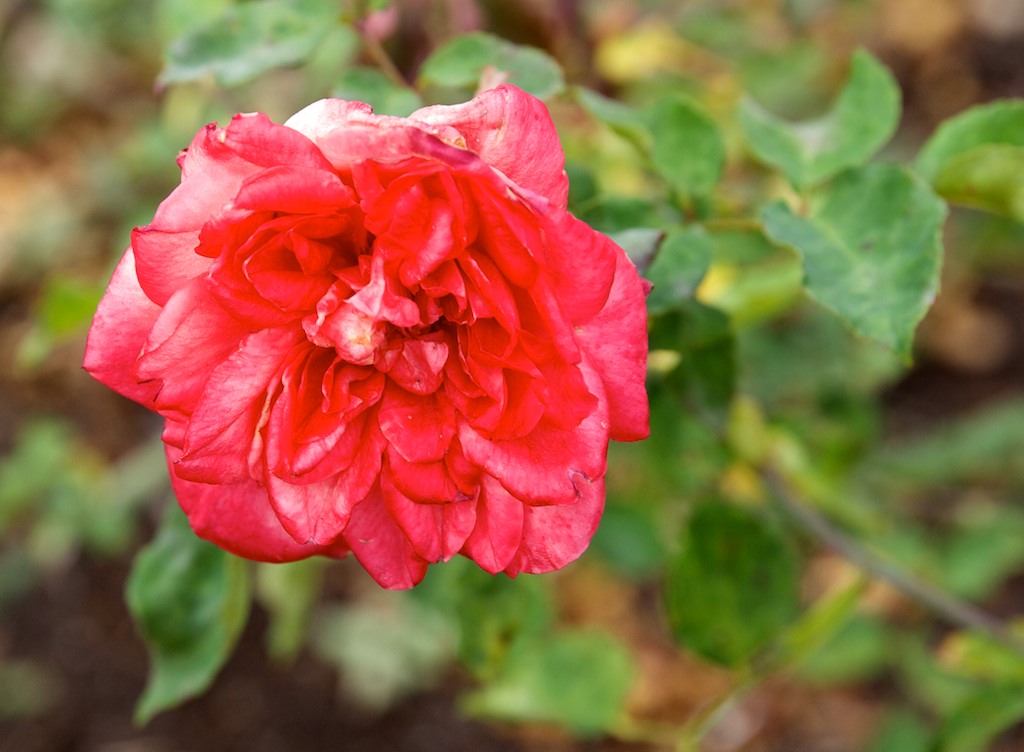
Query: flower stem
[(951, 608)]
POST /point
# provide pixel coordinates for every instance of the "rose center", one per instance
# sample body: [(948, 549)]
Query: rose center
[(356, 336)]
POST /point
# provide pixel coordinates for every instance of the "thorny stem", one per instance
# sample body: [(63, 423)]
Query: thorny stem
[(954, 610)]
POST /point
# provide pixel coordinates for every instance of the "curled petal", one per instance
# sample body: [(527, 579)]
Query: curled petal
[(418, 368), (429, 482), (225, 420), (295, 190), (496, 125)]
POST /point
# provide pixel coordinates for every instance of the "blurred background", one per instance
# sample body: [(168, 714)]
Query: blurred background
[(88, 137)]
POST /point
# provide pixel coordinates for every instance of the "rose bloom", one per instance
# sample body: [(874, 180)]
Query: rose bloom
[(381, 335)]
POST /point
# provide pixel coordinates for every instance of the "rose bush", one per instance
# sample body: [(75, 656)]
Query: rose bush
[(381, 335)]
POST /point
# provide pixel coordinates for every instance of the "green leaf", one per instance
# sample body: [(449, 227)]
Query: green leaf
[(989, 177), (733, 586), (973, 726), (190, 601), (981, 657), (857, 652), (751, 279), (175, 18), (862, 119), (704, 377), (981, 448), (902, 731), (462, 62), (984, 550), (871, 249), (67, 305), (630, 539), (641, 244), (998, 123), (677, 269), (247, 40), (576, 679), (613, 214), (687, 148), (618, 116), (377, 90), (493, 612)]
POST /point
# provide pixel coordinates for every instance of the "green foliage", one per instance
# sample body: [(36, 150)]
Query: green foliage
[(492, 612), (57, 497), (902, 731), (680, 265), (687, 148), (190, 601), (289, 593), (462, 62), (385, 648), (703, 374), (995, 124), (872, 250), (976, 158), (248, 39), (862, 119), (733, 585), (973, 725), (577, 679)]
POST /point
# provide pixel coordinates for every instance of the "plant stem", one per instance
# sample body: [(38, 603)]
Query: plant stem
[(954, 610), (381, 58)]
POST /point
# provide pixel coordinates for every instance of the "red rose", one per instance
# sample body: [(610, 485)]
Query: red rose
[(381, 335)]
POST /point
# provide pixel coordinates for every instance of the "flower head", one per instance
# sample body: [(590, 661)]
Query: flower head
[(381, 335)]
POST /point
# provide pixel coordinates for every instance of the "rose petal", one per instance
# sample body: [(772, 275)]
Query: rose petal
[(224, 423), (496, 125), (249, 139), (420, 428), (543, 467), (582, 265), (119, 330), (615, 347), (381, 547), (420, 222), (191, 337), (498, 531), (294, 190), (214, 168), (436, 532), (422, 481), (238, 518), (553, 536), (420, 364), (318, 512)]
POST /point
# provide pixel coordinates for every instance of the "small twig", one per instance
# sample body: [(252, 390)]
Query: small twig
[(952, 609), (381, 58)]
